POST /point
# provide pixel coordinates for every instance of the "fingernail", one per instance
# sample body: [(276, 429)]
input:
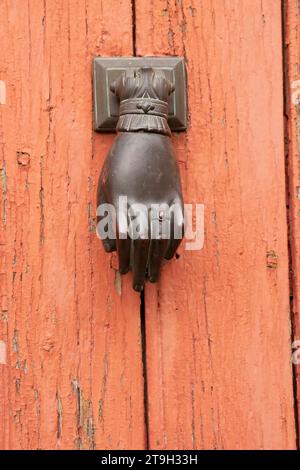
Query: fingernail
[(124, 271), (138, 287), (107, 247)]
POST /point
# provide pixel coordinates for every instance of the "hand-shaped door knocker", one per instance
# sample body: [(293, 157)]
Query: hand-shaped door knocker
[(139, 199)]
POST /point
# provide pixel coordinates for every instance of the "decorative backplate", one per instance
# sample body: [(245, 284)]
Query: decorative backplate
[(108, 69)]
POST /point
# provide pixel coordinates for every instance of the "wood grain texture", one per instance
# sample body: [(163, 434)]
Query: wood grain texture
[(73, 377), (292, 108), (218, 326)]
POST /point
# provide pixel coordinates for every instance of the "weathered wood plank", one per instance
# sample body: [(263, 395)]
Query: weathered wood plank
[(73, 375), (292, 92), (218, 327)]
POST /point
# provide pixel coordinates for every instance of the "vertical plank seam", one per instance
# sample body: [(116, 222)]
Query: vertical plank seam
[(142, 295), (133, 7), (144, 363), (285, 69)]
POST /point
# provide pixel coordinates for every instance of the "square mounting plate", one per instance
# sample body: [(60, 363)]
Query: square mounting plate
[(106, 105)]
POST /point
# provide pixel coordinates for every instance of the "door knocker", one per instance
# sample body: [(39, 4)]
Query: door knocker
[(139, 198)]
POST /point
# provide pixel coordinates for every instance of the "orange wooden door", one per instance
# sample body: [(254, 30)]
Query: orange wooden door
[(204, 361)]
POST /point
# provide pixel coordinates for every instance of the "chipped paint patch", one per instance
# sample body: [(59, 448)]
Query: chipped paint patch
[(15, 344), (3, 182), (2, 352), (59, 410), (295, 86), (118, 283), (18, 385), (2, 92), (91, 220), (85, 421), (272, 259), (23, 158)]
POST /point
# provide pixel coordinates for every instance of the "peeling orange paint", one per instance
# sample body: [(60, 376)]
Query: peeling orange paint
[(204, 362)]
